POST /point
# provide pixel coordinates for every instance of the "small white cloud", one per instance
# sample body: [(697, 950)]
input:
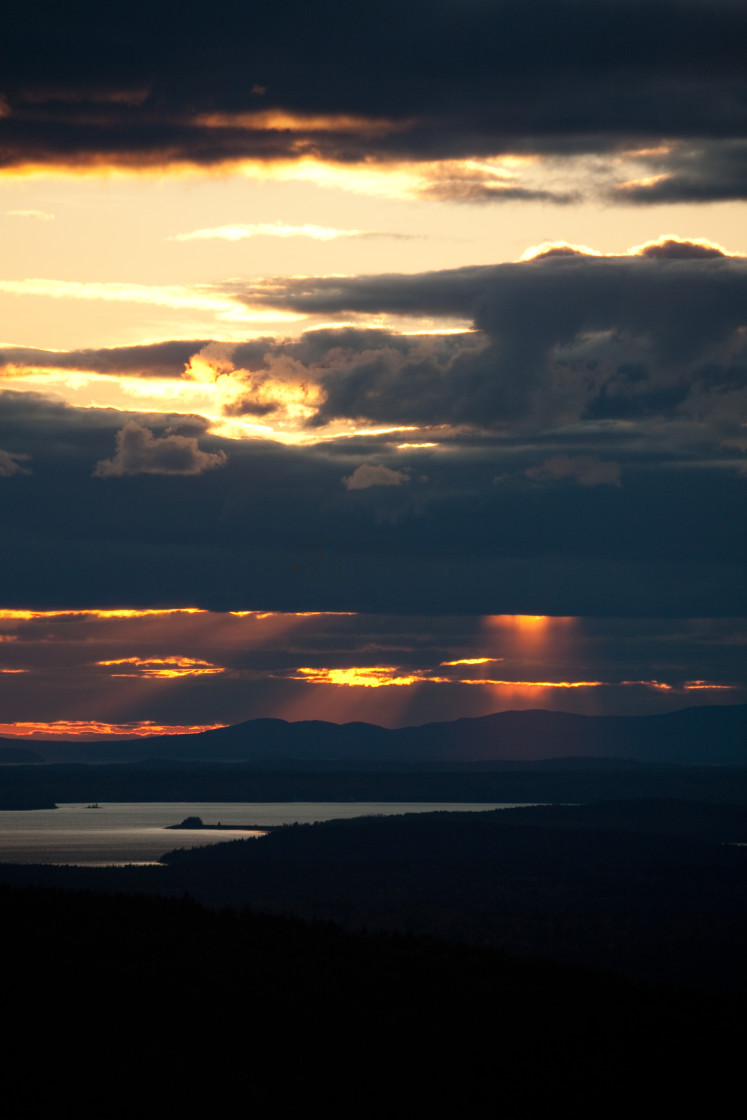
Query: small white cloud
[(243, 230), (587, 470), (367, 475), (140, 452)]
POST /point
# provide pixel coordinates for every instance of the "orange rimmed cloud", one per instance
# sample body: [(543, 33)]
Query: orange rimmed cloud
[(279, 120), (375, 676), (119, 612), (80, 729), (690, 686), (536, 684), (164, 666), (472, 661)]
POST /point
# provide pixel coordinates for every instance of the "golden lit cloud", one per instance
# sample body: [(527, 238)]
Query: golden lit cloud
[(472, 661), (164, 666), (556, 248), (695, 686), (369, 677), (660, 686), (23, 615), (645, 181), (414, 446), (95, 729), (274, 120), (648, 248), (538, 684)]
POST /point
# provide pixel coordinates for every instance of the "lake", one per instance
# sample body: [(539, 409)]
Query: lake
[(136, 832)]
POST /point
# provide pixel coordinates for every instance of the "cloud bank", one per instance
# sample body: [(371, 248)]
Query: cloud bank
[(441, 84)]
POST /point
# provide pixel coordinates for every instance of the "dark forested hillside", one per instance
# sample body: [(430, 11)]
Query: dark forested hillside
[(173, 1008)]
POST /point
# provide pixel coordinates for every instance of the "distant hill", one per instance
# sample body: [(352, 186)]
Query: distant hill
[(708, 735)]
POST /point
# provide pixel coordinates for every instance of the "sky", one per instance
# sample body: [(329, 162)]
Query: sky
[(380, 362)]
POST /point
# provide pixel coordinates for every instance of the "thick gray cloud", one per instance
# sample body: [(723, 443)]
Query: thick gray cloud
[(274, 528), (139, 451), (562, 338), (711, 171), (401, 79), (158, 359)]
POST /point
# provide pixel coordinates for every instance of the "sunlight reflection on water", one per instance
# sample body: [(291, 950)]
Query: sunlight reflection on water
[(138, 832)]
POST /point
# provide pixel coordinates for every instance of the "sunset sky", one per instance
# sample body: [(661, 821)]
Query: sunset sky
[(376, 361)]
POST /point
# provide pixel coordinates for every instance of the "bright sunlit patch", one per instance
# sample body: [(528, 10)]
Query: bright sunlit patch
[(472, 661), (13, 670), (462, 180), (370, 677), (94, 729), (645, 181), (529, 622), (164, 666), (267, 229)]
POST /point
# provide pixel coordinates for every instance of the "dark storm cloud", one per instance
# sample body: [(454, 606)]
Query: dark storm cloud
[(169, 83), (276, 528), (159, 359), (702, 172), (561, 338)]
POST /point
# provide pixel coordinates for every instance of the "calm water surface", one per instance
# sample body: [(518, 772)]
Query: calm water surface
[(121, 832)]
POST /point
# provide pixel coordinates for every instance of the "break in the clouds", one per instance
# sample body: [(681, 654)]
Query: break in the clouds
[(443, 84), (139, 451)]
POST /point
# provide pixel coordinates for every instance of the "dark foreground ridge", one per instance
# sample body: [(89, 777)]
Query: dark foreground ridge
[(257, 1012), (709, 735)]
